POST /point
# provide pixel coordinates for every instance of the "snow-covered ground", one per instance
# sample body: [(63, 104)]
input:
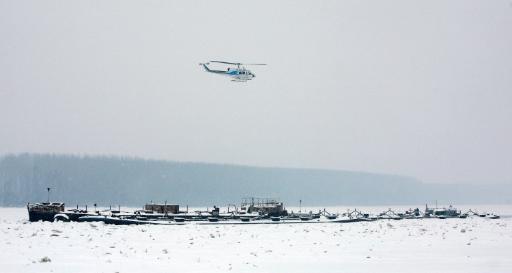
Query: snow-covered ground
[(427, 245)]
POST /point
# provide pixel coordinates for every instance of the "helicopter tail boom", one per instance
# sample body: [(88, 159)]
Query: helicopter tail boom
[(205, 66)]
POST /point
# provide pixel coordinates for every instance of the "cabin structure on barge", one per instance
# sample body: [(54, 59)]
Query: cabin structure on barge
[(263, 206)]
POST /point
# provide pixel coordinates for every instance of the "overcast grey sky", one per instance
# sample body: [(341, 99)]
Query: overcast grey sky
[(420, 88)]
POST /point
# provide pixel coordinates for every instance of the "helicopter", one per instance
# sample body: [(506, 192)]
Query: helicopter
[(237, 74)]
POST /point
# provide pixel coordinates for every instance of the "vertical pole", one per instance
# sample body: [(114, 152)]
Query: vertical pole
[(300, 206), (48, 189)]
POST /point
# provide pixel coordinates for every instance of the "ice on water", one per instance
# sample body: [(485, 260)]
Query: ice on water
[(427, 245)]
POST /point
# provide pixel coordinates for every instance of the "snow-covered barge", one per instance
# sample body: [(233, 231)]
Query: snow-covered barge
[(251, 211)]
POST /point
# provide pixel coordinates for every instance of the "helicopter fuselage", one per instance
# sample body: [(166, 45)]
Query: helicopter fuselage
[(239, 74)]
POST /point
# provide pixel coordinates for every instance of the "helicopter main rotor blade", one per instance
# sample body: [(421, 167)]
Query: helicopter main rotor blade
[(222, 62)]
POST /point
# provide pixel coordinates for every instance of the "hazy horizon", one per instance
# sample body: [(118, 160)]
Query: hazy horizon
[(112, 156), (130, 181), (419, 89), (121, 156)]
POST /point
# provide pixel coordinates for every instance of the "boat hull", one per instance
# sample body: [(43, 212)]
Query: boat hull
[(35, 216)]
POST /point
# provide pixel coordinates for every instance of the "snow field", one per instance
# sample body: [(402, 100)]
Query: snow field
[(427, 245)]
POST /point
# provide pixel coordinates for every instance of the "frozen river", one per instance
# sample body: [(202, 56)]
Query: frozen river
[(426, 245)]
